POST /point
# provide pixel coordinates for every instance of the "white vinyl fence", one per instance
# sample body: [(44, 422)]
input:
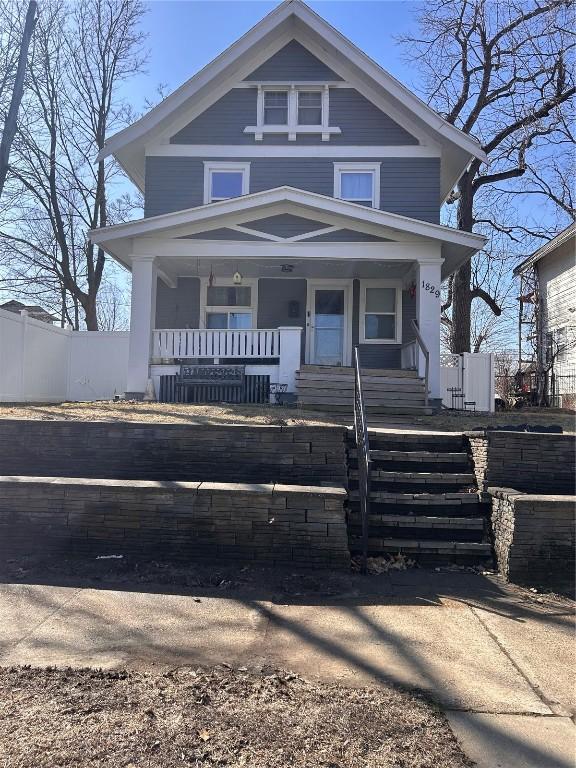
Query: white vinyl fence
[(467, 381), (43, 363)]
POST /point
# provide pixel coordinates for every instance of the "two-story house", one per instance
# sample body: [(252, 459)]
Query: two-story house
[(292, 199)]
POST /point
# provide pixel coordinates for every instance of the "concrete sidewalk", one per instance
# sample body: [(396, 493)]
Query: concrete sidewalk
[(500, 662)]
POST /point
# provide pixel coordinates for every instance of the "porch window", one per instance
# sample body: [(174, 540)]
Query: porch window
[(225, 180), (380, 313), (358, 183), (229, 306)]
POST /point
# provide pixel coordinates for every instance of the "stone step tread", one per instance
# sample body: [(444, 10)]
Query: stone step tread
[(420, 521), (423, 545), (437, 478), (323, 382), (396, 497), (418, 456)]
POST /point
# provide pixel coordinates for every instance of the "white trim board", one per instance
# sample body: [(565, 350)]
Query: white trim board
[(241, 152)]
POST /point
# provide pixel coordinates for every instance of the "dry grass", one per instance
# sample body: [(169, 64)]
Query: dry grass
[(257, 719), (167, 413), (173, 413)]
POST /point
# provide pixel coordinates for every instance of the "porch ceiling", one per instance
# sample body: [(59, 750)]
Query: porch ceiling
[(164, 236), (303, 268)]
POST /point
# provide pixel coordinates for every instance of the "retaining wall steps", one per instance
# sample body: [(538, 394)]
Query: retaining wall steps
[(424, 499)]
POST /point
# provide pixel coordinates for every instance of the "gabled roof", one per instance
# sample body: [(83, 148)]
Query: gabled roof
[(547, 248), (293, 20), (456, 246)]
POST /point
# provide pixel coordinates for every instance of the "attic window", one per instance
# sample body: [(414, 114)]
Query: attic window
[(292, 110), (275, 107)]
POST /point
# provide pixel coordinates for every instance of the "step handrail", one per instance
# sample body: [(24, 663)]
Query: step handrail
[(426, 354), (363, 454)]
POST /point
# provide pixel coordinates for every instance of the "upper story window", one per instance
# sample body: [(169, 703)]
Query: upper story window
[(293, 109), (275, 107), (223, 180), (358, 183), (309, 108)]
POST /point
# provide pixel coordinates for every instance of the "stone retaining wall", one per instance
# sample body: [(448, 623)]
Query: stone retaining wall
[(137, 451), (533, 536), (527, 461), (277, 524)]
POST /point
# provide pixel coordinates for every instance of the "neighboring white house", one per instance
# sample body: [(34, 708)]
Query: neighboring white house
[(548, 279), (292, 204)]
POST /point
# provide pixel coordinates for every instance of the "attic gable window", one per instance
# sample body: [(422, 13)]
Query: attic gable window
[(275, 107), (293, 109)]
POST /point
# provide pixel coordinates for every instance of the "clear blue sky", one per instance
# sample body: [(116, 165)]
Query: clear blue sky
[(185, 35)]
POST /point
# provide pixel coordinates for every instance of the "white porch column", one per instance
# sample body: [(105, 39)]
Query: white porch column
[(290, 347), (142, 321), (428, 278)]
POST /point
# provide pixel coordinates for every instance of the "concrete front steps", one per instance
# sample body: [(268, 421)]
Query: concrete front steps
[(424, 501), (386, 391)]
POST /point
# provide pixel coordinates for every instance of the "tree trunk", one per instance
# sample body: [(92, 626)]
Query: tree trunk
[(89, 307), (461, 294), (11, 122)]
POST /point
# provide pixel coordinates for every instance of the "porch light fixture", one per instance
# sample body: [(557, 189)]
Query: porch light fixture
[(237, 279), (287, 268)]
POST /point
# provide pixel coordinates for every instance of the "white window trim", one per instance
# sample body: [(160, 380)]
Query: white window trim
[(362, 323), (221, 165), (292, 128), (373, 168), (228, 282)]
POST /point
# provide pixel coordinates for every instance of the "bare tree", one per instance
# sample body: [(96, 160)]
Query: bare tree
[(80, 56), (11, 120), (503, 73)]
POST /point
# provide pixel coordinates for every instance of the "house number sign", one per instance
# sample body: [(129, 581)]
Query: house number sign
[(431, 289)]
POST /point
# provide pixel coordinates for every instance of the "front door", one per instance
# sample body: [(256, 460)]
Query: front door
[(327, 325)]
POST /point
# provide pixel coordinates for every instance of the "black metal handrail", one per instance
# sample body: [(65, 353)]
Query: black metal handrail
[(363, 454)]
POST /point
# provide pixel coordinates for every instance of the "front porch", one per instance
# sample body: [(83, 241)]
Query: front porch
[(283, 278)]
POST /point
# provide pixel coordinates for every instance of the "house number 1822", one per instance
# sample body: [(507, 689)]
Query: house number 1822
[(431, 289)]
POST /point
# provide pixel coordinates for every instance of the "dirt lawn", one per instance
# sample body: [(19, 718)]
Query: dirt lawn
[(219, 717), (259, 414)]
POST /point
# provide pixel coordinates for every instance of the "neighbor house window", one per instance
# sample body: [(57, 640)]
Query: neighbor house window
[(358, 183), (380, 312), (275, 107), (309, 108), (229, 306), (224, 180)]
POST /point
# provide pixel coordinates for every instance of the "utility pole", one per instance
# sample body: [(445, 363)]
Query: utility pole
[(12, 117)]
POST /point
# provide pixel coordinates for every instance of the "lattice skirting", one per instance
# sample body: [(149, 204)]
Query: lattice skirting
[(256, 389)]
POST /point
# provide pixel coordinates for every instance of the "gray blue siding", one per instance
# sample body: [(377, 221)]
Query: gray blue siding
[(408, 186), (285, 225), (274, 297), (178, 307), (361, 123), (293, 62)]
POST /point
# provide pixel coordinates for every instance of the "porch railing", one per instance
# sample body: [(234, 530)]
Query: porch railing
[(197, 343), (363, 454)]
